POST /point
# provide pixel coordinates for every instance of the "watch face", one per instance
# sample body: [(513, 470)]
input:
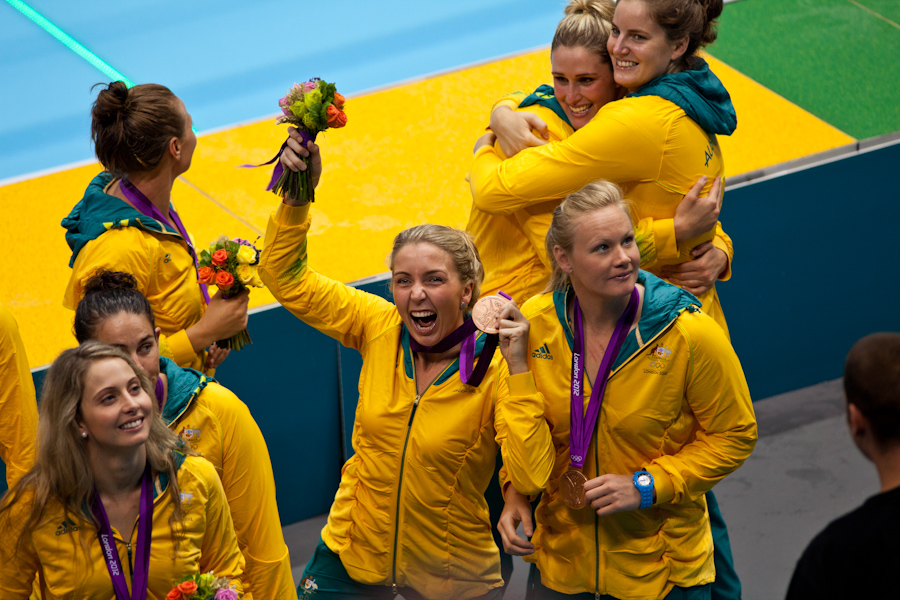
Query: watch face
[(643, 480)]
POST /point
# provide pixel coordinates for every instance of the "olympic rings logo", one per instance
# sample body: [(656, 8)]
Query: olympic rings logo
[(577, 459)]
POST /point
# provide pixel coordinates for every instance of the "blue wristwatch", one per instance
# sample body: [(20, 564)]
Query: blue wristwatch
[(643, 481)]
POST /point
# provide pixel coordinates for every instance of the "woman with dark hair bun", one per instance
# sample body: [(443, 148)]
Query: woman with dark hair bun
[(144, 139), (207, 416)]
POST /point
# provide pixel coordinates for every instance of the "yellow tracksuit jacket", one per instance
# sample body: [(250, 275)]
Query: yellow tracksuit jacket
[(18, 407), (410, 509), (215, 423), (105, 232), (54, 548), (512, 245), (677, 405), (646, 144)]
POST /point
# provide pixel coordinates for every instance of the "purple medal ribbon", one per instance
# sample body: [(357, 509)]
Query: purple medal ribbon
[(148, 209), (159, 392), (467, 333), (279, 168), (581, 427), (142, 554)]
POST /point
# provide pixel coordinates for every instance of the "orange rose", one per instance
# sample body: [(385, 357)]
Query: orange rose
[(219, 257), (186, 588), (175, 594), (338, 100), (335, 117), (206, 274), (224, 280)]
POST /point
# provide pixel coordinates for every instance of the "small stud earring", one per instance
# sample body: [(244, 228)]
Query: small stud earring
[(84, 434), (463, 306)]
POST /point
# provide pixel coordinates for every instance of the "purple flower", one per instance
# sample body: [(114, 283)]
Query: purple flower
[(309, 86), (226, 594)]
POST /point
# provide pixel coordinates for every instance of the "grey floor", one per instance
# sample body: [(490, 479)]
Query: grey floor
[(804, 472)]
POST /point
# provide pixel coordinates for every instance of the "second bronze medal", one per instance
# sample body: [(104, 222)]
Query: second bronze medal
[(571, 488)]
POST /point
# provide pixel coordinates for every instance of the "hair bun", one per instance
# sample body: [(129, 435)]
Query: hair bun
[(104, 280), (110, 103)]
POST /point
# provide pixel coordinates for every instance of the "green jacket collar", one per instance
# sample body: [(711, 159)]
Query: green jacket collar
[(663, 303), (546, 97), (97, 212), (184, 387), (449, 371), (699, 93)]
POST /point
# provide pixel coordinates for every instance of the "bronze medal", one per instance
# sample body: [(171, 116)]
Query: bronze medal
[(571, 488), (486, 313)]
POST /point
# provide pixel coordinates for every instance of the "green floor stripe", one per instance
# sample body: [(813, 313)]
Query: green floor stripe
[(69, 42)]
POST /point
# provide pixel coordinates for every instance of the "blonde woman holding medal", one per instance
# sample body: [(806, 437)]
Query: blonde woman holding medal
[(648, 409), (112, 505), (435, 402), (208, 417), (144, 139)]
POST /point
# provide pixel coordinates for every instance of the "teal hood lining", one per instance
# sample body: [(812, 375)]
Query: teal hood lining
[(663, 302), (97, 212)]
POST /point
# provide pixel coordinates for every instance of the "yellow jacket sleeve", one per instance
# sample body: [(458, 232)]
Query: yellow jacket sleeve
[(219, 551), (337, 310), (19, 561), (18, 406), (719, 399), (609, 147), (130, 250), (249, 485), (723, 242), (523, 434)]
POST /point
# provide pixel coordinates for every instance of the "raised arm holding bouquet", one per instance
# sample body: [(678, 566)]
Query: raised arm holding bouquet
[(311, 107)]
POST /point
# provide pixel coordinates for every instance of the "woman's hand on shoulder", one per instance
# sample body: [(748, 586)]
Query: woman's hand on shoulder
[(514, 328), (697, 214), (216, 356), (514, 130), (609, 494), (516, 510)]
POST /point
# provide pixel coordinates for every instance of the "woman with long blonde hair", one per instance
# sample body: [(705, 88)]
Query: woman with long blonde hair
[(110, 487)]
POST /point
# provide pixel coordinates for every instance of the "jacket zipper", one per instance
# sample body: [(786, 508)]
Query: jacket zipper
[(394, 587), (130, 566)]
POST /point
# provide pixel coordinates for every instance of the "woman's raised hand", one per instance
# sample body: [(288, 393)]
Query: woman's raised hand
[(514, 329), (292, 156), (516, 510), (696, 215), (514, 130)]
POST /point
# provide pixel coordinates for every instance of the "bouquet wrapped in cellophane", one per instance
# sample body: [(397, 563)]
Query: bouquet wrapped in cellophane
[(230, 265), (311, 107)]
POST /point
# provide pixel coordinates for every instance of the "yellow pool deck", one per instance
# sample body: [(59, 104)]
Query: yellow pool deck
[(400, 161)]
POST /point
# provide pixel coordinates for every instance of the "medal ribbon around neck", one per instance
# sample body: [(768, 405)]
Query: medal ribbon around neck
[(148, 209), (467, 333), (581, 426), (142, 554)]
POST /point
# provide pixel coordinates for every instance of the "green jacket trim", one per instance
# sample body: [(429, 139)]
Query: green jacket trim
[(663, 303), (546, 97), (184, 387), (97, 212), (449, 371)]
